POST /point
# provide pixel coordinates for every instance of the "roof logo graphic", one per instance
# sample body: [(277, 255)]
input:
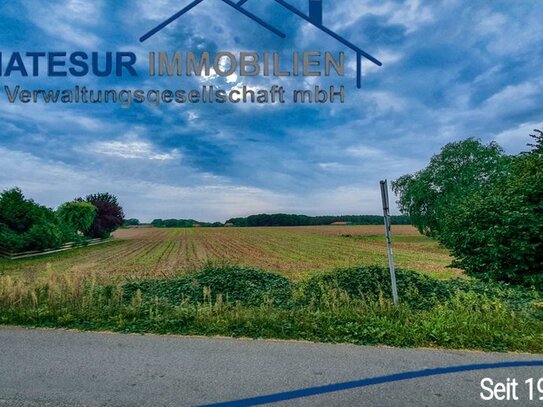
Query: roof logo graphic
[(315, 17)]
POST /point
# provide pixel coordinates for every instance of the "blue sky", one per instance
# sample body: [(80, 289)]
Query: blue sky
[(452, 69)]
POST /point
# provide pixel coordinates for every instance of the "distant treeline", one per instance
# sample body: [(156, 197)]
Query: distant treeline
[(281, 219), (183, 223)]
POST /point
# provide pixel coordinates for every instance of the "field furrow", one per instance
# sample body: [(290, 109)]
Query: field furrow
[(293, 251)]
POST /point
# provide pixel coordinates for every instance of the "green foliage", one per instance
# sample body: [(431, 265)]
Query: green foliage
[(131, 222), (245, 285), (25, 225), (497, 232), (109, 215), (46, 235), (282, 219), (183, 223), (342, 306), (370, 283), (253, 287), (19, 213), (486, 208), (78, 215), (458, 170), (11, 240), (417, 291)]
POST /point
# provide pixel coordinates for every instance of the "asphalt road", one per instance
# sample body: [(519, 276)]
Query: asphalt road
[(59, 368)]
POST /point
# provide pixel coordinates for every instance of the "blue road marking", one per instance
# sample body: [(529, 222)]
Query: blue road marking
[(312, 391)]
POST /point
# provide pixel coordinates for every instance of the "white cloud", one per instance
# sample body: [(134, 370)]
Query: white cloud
[(333, 166), (352, 199), (52, 183), (385, 102), (192, 115), (522, 94), (363, 151), (516, 139), (132, 148), (49, 115), (386, 57), (69, 21), (412, 14)]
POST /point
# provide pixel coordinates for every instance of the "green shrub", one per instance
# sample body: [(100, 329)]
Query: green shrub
[(254, 287), (485, 207), (25, 225), (10, 240), (46, 235), (78, 215), (247, 286), (417, 291), (18, 213), (469, 318), (496, 233), (370, 283)]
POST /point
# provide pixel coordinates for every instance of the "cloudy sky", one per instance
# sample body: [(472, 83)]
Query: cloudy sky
[(452, 69)]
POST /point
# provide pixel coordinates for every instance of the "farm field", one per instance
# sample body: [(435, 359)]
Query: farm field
[(292, 251)]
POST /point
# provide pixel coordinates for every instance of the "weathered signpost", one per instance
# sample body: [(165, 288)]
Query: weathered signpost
[(386, 215)]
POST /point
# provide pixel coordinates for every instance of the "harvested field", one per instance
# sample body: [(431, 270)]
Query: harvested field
[(293, 251)]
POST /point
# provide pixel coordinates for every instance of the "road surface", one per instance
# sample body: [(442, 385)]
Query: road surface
[(61, 368)]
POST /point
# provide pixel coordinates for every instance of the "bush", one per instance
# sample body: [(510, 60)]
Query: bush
[(14, 242), (415, 290), (78, 215), (372, 282), (459, 169), (46, 235), (470, 315), (247, 285), (486, 208), (496, 233), (109, 215), (253, 287), (18, 213), (25, 225)]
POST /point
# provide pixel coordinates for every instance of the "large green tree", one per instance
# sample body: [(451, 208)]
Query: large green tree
[(484, 206), (497, 232), (26, 225), (78, 215), (458, 170)]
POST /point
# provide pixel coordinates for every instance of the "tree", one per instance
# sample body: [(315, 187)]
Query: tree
[(497, 232), (78, 215), (458, 170), (17, 212), (131, 222), (25, 225), (485, 207), (281, 219), (109, 215)]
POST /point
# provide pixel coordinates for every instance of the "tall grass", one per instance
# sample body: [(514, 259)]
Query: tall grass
[(320, 309)]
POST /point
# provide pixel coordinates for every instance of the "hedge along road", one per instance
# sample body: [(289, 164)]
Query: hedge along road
[(61, 368)]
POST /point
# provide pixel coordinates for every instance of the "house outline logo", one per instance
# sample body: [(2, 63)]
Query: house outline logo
[(315, 17)]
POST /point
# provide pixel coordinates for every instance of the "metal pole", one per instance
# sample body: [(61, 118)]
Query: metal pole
[(386, 215)]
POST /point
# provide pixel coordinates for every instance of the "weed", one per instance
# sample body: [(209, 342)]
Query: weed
[(348, 305)]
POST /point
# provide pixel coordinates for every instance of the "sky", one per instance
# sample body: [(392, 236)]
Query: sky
[(451, 70)]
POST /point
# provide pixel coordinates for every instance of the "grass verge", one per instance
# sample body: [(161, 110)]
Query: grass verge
[(347, 305)]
